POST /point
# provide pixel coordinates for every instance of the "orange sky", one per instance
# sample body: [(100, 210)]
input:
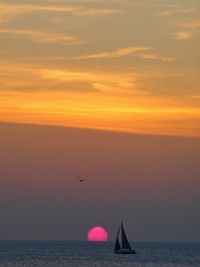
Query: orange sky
[(119, 66)]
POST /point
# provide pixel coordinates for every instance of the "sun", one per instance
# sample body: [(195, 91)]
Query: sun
[(97, 234)]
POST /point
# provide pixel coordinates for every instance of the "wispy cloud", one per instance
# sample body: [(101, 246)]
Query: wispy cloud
[(9, 11), (43, 37), (99, 81), (186, 29), (190, 24), (158, 57), (137, 114), (122, 52), (79, 97), (175, 11), (182, 35), (38, 78)]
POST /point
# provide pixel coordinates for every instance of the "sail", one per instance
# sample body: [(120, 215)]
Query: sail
[(125, 243), (117, 244)]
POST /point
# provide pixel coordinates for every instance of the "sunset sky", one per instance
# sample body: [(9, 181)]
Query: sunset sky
[(118, 65), (108, 90)]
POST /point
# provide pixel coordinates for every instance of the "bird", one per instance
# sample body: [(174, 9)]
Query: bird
[(81, 179)]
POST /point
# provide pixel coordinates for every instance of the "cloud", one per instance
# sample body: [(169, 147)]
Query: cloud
[(175, 11), (158, 57), (187, 29), (111, 83), (134, 114), (8, 11), (28, 77), (182, 35), (122, 52), (43, 37), (106, 98), (101, 81), (192, 24)]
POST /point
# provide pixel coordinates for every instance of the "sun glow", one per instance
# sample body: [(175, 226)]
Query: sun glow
[(97, 234), (136, 114)]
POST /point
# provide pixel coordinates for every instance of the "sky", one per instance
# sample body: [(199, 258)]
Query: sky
[(112, 65), (108, 90), (150, 182)]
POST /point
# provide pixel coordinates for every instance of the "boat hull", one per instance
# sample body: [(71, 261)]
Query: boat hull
[(124, 251)]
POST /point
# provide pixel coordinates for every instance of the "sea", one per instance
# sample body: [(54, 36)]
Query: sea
[(86, 254)]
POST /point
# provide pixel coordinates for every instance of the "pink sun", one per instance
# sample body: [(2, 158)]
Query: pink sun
[(97, 234)]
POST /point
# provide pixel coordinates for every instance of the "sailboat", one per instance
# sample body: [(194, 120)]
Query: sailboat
[(125, 247)]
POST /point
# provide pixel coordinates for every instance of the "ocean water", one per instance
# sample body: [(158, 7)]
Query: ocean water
[(73, 254)]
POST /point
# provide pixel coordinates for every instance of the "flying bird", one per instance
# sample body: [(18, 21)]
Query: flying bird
[(81, 179)]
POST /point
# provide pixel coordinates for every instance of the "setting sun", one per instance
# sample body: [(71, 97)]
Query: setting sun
[(97, 234)]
